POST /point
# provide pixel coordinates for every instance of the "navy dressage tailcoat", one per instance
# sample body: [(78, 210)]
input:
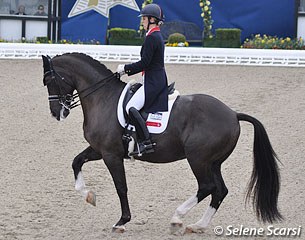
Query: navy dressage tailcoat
[(155, 79)]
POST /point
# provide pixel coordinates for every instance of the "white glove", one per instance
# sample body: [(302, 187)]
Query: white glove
[(120, 70)]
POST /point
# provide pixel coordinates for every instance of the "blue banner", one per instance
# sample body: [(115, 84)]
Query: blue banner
[(88, 20), (270, 17), (82, 26)]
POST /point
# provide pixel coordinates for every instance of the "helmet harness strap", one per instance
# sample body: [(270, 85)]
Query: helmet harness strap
[(149, 22)]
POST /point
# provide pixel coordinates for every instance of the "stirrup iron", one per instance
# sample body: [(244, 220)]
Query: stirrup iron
[(143, 149)]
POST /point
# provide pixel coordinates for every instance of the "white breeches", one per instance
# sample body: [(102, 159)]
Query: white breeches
[(137, 101)]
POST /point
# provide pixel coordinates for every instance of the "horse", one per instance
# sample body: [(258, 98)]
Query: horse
[(201, 129)]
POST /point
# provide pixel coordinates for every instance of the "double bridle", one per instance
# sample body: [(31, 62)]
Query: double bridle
[(70, 101)]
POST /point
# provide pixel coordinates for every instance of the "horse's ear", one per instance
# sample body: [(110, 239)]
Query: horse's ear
[(47, 67), (46, 63)]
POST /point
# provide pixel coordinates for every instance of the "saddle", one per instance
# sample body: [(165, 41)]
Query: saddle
[(132, 90), (156, 122)]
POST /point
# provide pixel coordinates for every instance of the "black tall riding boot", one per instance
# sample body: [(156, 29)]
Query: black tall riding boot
[(144, 143)]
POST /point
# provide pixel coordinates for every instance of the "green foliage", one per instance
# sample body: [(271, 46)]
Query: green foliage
[(206, 14), (176, 38), (273, 42), (225, 38), (42, 40), (135, 41), (67, 41), (122, 33), (124, 36), (228, 33)]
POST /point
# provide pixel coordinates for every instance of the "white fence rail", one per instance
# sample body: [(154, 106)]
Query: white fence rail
[(184, 55)]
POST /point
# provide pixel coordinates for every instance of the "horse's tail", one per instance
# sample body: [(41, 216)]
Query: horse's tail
[(265, 178)]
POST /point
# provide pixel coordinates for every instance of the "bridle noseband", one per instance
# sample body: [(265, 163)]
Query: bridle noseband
[(66, 100), (70, 101)]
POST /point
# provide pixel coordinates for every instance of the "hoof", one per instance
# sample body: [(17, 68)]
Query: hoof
[(175, 227), (118, 229), (193, 229), (91, 198)]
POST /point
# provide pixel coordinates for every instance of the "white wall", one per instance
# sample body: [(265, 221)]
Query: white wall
[(176, 55), (10, 29), (301, 26), (36, 29)]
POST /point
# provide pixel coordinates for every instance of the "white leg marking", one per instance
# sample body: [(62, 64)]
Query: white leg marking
[(184, 209), (207, 217), (80, 184), (200, 226)]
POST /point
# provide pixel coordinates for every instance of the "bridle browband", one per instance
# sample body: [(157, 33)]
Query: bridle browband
[(69, 101)]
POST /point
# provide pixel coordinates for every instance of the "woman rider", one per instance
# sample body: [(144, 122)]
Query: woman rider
[(153, 95)]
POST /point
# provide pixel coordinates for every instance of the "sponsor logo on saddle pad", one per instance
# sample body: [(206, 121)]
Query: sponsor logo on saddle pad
[(156, 122)]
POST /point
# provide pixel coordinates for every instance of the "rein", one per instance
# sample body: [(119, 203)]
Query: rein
[(104, 81), (69, 101)]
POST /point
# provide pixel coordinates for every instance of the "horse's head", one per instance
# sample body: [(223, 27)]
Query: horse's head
[(59, 87)]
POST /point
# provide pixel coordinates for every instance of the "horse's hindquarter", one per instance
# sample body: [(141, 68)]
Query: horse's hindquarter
[(196, 122), (208, 118)]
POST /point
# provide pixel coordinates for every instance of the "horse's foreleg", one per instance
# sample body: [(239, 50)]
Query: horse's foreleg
[(117, 171), (89, 154)]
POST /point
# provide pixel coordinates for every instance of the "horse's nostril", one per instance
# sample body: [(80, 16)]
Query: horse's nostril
[(53, 113)]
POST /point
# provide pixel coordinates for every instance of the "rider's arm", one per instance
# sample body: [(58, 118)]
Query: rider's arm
[(147, 53)]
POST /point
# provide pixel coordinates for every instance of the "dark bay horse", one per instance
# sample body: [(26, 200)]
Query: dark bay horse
[(201, 129)]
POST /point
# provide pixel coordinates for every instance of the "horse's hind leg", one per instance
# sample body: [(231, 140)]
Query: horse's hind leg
[(206, 187), (181, 211), (89, 154), (218, 195)]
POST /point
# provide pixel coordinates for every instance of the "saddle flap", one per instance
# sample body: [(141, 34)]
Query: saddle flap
[(156, 122), (129, 93)]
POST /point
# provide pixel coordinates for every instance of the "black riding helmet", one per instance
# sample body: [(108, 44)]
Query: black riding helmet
[(152, 10)]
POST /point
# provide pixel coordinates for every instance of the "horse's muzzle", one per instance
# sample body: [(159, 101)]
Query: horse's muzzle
[(61, 115), (64, 112)]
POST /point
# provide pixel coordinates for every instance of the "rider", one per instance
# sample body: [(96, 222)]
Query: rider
[(153, 95)]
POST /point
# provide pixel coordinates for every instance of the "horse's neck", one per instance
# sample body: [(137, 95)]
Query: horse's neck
[(102, 85), (102, 97)]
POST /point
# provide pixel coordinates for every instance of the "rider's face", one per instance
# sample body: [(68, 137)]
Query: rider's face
[(145, 22)]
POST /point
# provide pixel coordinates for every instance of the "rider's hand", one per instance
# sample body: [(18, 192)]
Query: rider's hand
[(120, 70)]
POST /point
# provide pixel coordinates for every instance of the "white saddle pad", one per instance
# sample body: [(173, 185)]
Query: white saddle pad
[(156, 122)]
